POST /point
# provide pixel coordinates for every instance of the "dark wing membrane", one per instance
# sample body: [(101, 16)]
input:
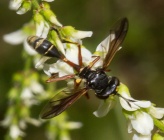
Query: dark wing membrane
[(61, 102), (119, 31)]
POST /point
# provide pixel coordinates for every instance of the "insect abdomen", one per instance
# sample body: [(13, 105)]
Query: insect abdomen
[(43, 46)]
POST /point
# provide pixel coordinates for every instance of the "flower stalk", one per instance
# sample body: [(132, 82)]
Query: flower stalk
[(27, 91)]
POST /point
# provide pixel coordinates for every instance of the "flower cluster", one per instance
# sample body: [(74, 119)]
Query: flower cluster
[(22, 97), (140, 114), (28, 91), (23, 6)]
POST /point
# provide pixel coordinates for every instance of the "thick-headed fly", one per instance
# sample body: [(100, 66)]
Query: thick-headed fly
[(97, 80)]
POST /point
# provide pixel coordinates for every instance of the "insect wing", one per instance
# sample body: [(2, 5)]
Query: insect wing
[(116, 37), (61, 102)]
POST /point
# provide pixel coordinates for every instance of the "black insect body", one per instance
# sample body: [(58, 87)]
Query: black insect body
[(100, 82), (97, 80), (43, 46)]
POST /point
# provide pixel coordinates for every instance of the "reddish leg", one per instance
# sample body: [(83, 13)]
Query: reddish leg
[(79, 55), (94, 61), (77, 82), (55, 78)]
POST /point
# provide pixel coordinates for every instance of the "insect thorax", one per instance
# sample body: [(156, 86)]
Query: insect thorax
[(100, 82), (95, 79)]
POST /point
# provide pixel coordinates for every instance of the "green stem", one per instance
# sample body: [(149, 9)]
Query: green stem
[(159, 124), (121, 123), (28, 61), (35, 4)]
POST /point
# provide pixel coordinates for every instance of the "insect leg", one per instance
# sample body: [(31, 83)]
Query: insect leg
[(77, 82), (54, 78), (94, 61)]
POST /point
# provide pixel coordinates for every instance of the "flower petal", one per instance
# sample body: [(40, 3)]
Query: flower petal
[(48, 0), (39, 28), (40, 63), (26, 94), (81, 34), (130, 104), (73, 125), (142, 104), (72, 54), (104, 107), (21, 11), (156, 112), (142, 123), (7, 121), (127, 105), (15, 38), (15, 4), (28, 48), (15, 132), (59, 67), (45, 30), (36, 87), (141, 137), (86, 55), (129, 127)]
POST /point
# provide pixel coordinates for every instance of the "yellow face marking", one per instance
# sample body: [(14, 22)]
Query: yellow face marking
[(78, 81)]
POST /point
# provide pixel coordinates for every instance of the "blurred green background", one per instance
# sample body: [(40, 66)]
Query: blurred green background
[(139, 64)]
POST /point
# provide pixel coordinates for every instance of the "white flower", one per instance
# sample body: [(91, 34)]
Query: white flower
[(141, 122), (25, 6), (73, 125), (28, 48), (127, 102), (28, 97), (71, 34), (36, 87), (42, 29), (141, 137), (104, 107), (21, 11), (6, 122), (130, 104), (15, 4), (156, 112), (48, 0), (15, 132), (82, 34), (19, 37), (32, 121), (28, 92), (59, 67), (15, 38), (72, 54)]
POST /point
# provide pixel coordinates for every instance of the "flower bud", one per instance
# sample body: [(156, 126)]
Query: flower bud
[(70, 32), (39, 20), (157, 137), (56, 41), (15, 4), (50, 16), (26, 6)]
